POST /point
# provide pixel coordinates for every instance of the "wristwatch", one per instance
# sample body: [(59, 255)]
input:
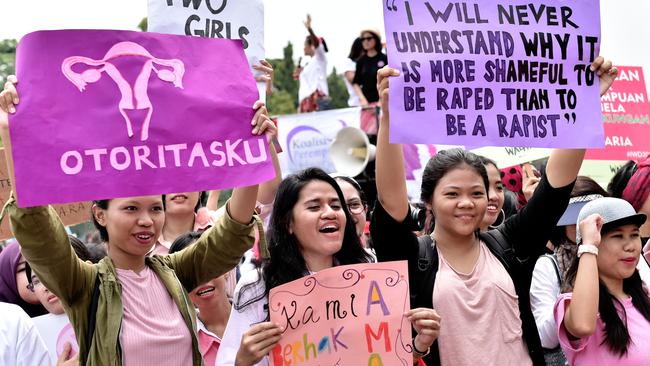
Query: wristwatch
[(418, 352), (587, 248)]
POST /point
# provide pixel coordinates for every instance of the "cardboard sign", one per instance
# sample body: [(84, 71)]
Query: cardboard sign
[(626, 115), (241, 19), (70, 214), (510, 156), (346, 315), (112, 114), (494, 72)]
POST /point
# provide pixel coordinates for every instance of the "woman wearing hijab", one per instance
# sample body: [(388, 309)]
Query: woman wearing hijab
[(13, 281)]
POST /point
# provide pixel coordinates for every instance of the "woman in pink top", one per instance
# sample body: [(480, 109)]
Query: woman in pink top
[(605, 320), (211, 300), (479, 286), (141, 301)]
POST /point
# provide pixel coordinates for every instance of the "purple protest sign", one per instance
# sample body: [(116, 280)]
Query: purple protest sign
[(107, 114), (494, 72)]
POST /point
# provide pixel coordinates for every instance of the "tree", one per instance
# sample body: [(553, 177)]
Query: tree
[(338, 91), (7, 59), (143, 24), (284, 99)]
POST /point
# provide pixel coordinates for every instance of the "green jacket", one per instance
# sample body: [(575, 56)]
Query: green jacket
[(46, 247)]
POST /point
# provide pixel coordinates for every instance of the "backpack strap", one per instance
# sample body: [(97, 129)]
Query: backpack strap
[(427, 267), (425, 252), (92, 316), (499, 246), (556, 266), (427, 270)]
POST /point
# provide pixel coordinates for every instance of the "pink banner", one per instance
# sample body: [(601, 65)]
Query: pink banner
[(346, 315), (107, 114), (626, 116)]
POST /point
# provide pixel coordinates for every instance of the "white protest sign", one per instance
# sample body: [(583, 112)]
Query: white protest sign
[(234, 19)]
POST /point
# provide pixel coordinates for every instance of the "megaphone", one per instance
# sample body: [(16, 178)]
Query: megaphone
[(351, 151)]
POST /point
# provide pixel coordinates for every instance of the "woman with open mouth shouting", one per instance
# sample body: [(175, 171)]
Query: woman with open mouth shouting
[(129, 301), (311, 229)]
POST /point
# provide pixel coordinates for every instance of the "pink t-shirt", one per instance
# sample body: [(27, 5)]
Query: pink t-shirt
[(153, 330), (208, 343), (480, 315), (590, 351)]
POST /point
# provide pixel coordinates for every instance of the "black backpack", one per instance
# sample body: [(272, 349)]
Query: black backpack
[(499, 246)]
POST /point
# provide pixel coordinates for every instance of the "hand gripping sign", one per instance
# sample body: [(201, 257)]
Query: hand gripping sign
[(345, 315), (186, 102)]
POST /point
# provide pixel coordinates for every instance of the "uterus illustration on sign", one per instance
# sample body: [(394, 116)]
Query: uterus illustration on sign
[(133, 97)]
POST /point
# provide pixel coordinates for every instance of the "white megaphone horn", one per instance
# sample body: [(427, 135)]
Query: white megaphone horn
[(351, 151)]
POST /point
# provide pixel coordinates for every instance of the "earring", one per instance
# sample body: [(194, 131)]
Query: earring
[(500, 220)]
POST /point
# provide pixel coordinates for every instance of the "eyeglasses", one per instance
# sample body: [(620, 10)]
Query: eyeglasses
[(367, 38), (34, 284), (356, 207)]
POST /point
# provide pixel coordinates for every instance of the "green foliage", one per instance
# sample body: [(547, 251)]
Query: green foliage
[(7, 59), (281, 102), (338, 91), (143, 24), (284, 99)]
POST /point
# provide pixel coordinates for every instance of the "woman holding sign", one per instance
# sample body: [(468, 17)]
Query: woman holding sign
[(129, 302), (311, 229), (481, 280)]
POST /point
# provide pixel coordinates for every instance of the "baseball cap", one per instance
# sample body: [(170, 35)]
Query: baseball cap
[(614, 211), (570, 216)]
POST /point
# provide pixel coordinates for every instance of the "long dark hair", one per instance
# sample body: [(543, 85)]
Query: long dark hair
[(619, 181), (441, 164), (356, 50), (286, 262), (617, 337)]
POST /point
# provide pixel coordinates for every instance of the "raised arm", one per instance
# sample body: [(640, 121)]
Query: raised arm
[(314, 39), (221, 247), (267, 191), (42, 237), (389, 162), (529, 230), (581, 314), (564, 164)]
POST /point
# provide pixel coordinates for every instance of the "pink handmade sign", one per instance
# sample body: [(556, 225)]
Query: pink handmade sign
[(346, 315), (116, 114)]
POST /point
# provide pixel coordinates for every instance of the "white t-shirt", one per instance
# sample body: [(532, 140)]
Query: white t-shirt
[(353, 100), (314, 75), (241, 320), (56, 330), (20, 344)]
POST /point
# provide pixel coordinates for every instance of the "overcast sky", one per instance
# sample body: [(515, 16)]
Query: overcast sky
[(339, 21)]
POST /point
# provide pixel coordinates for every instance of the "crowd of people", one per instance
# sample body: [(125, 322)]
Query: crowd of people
[(555, 276)]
